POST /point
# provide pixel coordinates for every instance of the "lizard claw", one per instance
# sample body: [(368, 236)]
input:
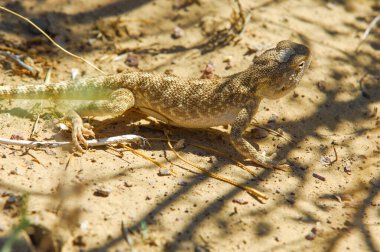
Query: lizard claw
[(280, 165), (270, 163), (79, 130), (78, 133)]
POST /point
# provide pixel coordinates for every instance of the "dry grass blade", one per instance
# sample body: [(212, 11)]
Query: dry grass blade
[(68, 161), (239, 164), (127, 237), (48, 77), (34, 129), (256, 124), (148, 158), (50, 39), (219, 153), (253, 192), (34, 158)]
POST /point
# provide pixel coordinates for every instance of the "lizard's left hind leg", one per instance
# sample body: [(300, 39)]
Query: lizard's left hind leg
[(119, 101)]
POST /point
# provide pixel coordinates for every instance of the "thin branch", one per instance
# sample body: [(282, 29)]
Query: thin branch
[(18, 60), (92, 142), (336, 156)]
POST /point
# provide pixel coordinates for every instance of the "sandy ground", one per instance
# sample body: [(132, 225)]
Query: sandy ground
[(328, 200)]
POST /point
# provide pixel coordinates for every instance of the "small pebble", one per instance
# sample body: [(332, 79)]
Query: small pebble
[(313, 233), (321, 86), (132, 60), (78, 241), (62, 126), (102, 192), (74, 73), (177, 32), (272, 118), (325, 160), (347, 169), (182, 183), (227, 59), (291, 201), (164, 172), (83, 225), (208, 72), (126, 184), (17, 137)]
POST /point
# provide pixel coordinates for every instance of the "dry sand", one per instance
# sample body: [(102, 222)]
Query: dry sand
[(327, 201)]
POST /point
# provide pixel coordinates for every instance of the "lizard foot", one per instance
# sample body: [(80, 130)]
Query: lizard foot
[(270, 163), (78, 134)]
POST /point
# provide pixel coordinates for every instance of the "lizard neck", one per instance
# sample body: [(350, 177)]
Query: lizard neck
[(243, 86)]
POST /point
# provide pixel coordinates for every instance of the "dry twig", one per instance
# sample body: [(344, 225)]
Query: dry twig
[(336, 156), (92, 142), (18, 60), (367, 31)]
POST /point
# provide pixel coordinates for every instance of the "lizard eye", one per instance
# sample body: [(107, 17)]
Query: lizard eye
[(302, 64)]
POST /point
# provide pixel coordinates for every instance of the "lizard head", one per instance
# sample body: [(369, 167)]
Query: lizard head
[(282, 68)]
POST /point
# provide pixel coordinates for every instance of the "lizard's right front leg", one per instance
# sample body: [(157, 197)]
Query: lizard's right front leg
[(243, 146), (119, 101)]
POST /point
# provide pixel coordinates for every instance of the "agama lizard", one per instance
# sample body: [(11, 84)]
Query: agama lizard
[(184, 102)]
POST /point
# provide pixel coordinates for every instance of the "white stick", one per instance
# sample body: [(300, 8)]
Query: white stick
[(368, 30), (92, 142)]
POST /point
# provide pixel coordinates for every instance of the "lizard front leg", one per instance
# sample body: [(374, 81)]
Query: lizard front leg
[(119, 101), (241, 122)]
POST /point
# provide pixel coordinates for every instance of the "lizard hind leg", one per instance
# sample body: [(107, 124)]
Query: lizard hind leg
[(118, 102)]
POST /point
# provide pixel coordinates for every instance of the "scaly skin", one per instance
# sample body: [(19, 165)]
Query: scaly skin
[(190, 103)]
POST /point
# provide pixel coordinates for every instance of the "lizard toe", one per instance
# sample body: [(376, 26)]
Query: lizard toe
[(82, 140), (78, 138), (76, 143), (88, 132)]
